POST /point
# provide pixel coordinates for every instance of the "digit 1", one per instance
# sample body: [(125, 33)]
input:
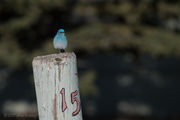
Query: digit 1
[(64, 106), (75, 99)]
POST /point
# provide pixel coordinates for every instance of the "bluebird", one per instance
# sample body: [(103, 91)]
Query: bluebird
[(60, 41)]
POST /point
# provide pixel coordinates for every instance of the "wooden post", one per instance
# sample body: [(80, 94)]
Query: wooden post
[(56, 84)]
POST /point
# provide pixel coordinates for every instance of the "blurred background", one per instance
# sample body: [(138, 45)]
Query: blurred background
[(128, 54)]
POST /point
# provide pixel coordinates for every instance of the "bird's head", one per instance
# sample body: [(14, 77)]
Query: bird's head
[(61, 31)]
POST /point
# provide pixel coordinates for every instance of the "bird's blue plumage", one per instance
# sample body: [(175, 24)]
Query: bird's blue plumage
[(60, 41), (61, 30)]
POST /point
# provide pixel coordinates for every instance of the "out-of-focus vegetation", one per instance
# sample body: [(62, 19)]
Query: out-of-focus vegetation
[(87, 85), (27, 27)]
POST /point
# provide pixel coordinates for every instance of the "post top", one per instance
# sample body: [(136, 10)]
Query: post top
[(54, 57)]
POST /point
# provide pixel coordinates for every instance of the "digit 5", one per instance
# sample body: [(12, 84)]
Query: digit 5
[(75, 99)]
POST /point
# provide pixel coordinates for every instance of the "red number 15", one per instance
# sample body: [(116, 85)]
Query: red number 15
[(73, 99)]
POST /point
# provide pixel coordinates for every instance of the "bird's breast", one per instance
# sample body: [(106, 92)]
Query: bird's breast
[(60, 42)]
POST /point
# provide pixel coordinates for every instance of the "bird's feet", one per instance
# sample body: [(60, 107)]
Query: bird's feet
[(62, 50)]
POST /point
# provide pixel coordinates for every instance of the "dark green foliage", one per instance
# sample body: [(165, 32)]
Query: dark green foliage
[(27, 27)]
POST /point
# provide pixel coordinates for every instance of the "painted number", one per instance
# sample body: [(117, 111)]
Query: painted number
[(73, 100), (64, 106)]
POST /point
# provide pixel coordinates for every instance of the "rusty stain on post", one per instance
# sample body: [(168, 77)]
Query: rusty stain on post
[(55, 108), (59, 71)]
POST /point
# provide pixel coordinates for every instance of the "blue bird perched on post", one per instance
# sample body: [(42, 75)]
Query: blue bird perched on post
[(60, 41)]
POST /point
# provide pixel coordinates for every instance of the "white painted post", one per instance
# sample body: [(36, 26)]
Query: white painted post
[(56, 84)]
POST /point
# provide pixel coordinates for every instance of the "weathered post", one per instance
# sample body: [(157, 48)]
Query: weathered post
[(56, 84)]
